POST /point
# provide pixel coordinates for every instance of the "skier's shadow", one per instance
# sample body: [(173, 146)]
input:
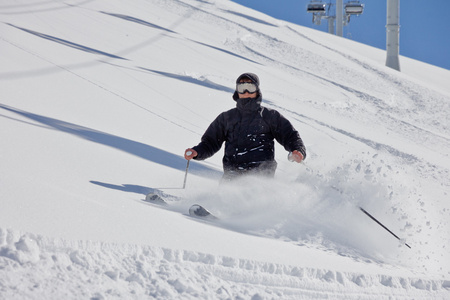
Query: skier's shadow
[(177, 204), (133, 188), (130, 188)]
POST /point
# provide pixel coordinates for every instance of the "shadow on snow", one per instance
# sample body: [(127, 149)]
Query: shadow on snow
[(67, 43), (138, 149)]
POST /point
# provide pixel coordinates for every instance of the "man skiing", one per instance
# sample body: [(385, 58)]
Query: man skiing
[(248, 131)]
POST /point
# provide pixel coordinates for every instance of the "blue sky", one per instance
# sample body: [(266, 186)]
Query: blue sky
[(424, 25)]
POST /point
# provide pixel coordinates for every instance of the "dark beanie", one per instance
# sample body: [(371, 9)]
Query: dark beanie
[(253, 77)]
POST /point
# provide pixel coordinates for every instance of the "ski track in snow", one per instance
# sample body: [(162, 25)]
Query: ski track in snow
[(53, 268)]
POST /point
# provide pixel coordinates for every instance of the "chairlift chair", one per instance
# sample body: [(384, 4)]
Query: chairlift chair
[(354, 8), (316, 7)]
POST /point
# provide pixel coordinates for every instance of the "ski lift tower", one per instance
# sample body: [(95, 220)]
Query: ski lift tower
[(393, 34), (342, 16)]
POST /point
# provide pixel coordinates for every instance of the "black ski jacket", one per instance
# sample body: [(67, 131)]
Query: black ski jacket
[(249, 131)]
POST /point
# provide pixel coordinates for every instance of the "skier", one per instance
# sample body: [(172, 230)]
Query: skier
[(248, 131)]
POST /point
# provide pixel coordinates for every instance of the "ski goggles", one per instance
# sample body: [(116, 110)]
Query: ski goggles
[(243, 87)]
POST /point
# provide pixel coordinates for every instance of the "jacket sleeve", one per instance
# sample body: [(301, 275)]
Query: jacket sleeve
[(285, 133), (212, 139)]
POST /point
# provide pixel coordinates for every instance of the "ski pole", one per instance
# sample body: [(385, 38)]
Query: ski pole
[(187, 168), (379, 223)]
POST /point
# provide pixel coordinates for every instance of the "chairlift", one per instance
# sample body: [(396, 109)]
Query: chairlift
[(354, 8), (317, 19), (316, 7)]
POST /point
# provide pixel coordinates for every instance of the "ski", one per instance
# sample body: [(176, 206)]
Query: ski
[(199, 211), (195, 210), (155, 199)]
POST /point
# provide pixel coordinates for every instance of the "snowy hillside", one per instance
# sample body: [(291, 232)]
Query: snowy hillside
[(99, 100)]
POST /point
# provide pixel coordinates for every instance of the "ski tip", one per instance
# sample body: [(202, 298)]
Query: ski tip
[(155, 198), (198, 211), (201, 212)]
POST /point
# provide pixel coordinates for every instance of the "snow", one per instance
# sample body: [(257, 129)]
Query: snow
[(99, 100)]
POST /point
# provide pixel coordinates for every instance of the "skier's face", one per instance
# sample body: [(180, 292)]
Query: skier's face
[(246, 94)]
